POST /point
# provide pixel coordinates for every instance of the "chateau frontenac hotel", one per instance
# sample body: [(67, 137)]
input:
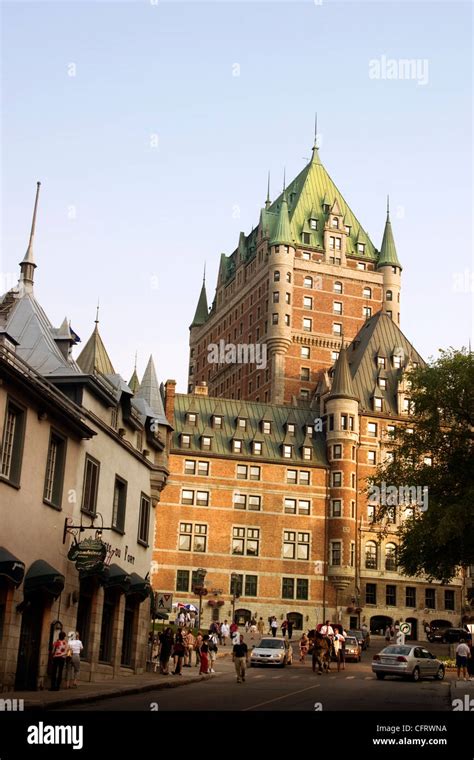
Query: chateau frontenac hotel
[(265, 511)]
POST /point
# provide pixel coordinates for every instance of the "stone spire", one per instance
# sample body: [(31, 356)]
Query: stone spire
[(28, 266), (202, 309)]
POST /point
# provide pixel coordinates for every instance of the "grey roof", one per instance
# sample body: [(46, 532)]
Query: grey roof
[(120, 386), (342, 386), (148, 397)]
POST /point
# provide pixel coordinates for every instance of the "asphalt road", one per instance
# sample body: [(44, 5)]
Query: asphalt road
[(293, 688)]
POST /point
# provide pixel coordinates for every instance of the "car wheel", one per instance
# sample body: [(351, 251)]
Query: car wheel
[(416, 675), (440, 673), (359, 659), (380, 676)]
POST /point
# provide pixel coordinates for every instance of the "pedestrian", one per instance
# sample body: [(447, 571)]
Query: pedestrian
[(284, 628), (246, 626), (304, 644), (155, 651), (290, 628), (204, 667), (197, 648), (166, 645), (189, 641), (463, 654), (240, 656), (225, 631), (234, 633), (58, 653), (388, 634), (274, 626), (212, 652), (178, 654), (73, 661), (340, 651), (470, 660), (261, 626)]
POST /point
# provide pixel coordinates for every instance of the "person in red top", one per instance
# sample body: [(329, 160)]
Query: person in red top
[(59, 658), (204, 655)]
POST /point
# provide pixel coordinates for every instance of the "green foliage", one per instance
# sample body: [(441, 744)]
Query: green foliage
[(438, 541)]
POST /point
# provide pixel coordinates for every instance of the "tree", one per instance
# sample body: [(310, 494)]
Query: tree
[(436, 453)]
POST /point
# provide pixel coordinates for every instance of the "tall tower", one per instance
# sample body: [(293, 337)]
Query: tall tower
[(342, 436), (280, 269), (391, 269)]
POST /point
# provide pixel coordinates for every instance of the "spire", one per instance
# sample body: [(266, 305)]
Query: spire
[(97, 315), (149, 389), (202, 309), (388, 252), (342, 386), (282, 233), (134, 383), (315, 155), (268, 201), (94, 357), (284, 179), (28, 266)]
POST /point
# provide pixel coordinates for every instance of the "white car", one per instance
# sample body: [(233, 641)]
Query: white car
[(272, 651), (409, 661)]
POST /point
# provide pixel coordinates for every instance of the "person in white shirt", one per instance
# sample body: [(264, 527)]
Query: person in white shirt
[(327, 630), (73, 660), (225, 631), (340, 650), (462, 655)]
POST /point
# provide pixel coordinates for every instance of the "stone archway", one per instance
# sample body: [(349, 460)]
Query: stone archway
[(414, 629), (297, 620), (378, 624), (242, 616)]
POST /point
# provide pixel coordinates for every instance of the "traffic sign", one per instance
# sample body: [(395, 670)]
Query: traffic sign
[(163, 602), (405, 628)]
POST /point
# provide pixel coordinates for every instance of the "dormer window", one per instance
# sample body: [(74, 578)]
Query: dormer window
[(313, 223), (236, 446), (206, 442), (309, 430), (290, 428), (185, 441), (381, 362), (377, 404), (191, 418), (361, 248), (335, 222), (347, 229), (217, 421), (287, 451), (397, 362), (382, 383), (266, 427), (242, 423), (306, 238), (257, 448), (326, 208), (307, 452)]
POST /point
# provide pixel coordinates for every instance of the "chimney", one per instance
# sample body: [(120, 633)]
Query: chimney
[(170, 390), (201, 389)]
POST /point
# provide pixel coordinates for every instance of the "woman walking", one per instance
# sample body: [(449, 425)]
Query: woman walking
[(166, 645), (178, 654), (59, 658), (204, 669), (304, 645), (73, 661)]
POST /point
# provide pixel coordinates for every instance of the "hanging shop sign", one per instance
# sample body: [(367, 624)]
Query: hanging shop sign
[(88, 554)]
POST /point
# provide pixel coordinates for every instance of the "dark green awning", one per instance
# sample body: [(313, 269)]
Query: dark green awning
[(139, 586), (41, 577), (116, 577), (11, 567)]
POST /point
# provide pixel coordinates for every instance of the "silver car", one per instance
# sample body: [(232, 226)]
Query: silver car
[(272, 651), (408, 661)]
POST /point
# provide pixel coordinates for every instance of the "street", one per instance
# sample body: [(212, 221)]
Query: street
[(293, 688)]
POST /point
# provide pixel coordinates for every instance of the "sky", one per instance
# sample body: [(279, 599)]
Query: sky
[(152, 126)]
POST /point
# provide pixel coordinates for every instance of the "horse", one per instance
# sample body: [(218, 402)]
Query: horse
[(321, 653)]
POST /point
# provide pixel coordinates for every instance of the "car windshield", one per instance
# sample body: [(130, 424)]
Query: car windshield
[(396, 650), (351, 641), (357, 634), (271, 644)]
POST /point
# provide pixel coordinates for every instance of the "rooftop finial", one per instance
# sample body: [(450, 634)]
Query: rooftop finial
[(315, 130), (135, 366), (268, 201), (388, 208), (204, 275), (28, 266), (284, 178), (97, 312)]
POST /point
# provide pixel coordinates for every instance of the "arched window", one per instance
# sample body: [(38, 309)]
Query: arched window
[(338, 287), (389, 295), (276, 276), (391, 557), (308, 282), (367, 292), (371, 555)]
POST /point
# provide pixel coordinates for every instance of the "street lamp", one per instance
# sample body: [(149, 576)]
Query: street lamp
[(199, 589), (234, 580)]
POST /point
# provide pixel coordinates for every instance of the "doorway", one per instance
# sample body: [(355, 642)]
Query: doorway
[(297, 620), (26, 677), (378, 624)]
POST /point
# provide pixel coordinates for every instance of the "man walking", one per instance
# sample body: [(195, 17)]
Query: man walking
[(225, 630), (274, 626), (240, 656)]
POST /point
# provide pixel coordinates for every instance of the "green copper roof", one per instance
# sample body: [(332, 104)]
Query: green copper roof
[(202, 310), (388, 252), (342, 382), (94, 356), (282, 231), (134, 382)]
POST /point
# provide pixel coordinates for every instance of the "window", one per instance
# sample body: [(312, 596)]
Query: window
[(192, 537), (353, 509), (397, 362), (313, 223), (343, 421), (338, 245), (245, 541), (336, 479), (245, 501), (367, 292), (372, 428), (242, 423), (371, 593), (236, 446), (182, 580), (377, 404), (449, 600), (410, 596), (331, 422), (337, 307), (288, 274), (287, 297), (276, 296), (366, 312), (337, 328), (334, 355), (292, 476), (250, 585), (287, 451), (119, 504), (91, 483), (144, 520), (276, 276), (382, 383), (304, 393), (361, 265), (185, 441), (337, 287), (308, 282), (304, 373), (205, 443), (295, 545), (306, 237), (336, 509), (202, 498), (274, 319), (306, 256), (290, 506), (332, 242), (353, 480), (337, 451), (430, 598), (12, 444), (335, 553), (371, 555), (307, 452), (297, 506), (381, 362), (307, 324), (305, 352), (288, 588), (290, 428), (266, 427), (187, 497), (203, 468), (307, 302), (391, 557), (391, 596), (53, 484), (360, 247), (335, 222), (371, 457), (389, 295), (287, 320), (190, 466), (217, 421), (257, 448), (191, 418)]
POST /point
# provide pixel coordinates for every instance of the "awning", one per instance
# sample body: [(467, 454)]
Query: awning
[(139, 586), (11, 567), (41, 577), (116, 577)]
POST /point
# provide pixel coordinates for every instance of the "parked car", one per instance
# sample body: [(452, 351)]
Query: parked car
[(454, 635), (413, 662), (272, 651), (353, 649), (362, 638), (435, 634)]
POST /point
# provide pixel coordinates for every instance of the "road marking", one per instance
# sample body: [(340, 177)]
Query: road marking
[(284, 696), (350, 678), (369, 678), (275, 677)]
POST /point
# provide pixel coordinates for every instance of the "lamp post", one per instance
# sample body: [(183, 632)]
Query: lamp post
[(234, 579), (199, 589)]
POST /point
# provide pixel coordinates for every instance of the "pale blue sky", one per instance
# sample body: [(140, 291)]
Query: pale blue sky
[(133, 224)]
